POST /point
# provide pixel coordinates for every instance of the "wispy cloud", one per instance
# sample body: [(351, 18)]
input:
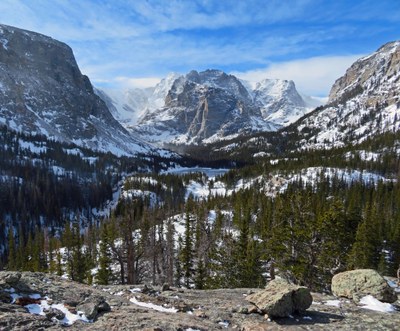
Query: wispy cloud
[(128, 82), (139, 39), (314, 76)]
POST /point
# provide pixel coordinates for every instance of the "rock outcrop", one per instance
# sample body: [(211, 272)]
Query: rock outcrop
[(42, 91), (281, 299), (152, 309), (362, 103), (202, 107), (355, 284)]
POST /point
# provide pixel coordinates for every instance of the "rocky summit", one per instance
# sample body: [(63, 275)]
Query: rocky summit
[(42, 91), (362, 103), (38, 301), (205, 107)]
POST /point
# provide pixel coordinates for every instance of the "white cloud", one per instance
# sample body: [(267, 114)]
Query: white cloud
[(313, 76), (128, 82)]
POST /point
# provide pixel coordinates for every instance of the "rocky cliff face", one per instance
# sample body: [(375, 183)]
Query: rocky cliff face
[(208, 106), (362, 103), (43, 91), (375, 78), (204, 107), (279, 101)]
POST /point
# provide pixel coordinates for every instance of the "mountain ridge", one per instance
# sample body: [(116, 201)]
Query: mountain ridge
[(270, 105), (43, 91)]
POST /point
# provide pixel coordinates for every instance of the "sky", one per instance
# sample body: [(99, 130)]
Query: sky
[(135, 43)]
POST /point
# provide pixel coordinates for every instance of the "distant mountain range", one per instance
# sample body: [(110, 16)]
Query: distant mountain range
[(204, 107), (43, 91)]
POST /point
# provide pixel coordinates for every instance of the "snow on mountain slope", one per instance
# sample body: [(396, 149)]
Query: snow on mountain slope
[(279, 101), (43, 91), (125, 105), (362, 103), (205, 107)]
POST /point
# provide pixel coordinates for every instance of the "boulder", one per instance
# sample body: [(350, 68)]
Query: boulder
[(93, 306), (281, 299), (355, 284), (11, 278)]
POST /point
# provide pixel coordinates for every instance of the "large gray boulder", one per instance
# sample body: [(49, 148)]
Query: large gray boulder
[(281, 299), (355, 284)]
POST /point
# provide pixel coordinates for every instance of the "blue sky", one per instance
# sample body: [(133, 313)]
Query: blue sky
[(135, 43)]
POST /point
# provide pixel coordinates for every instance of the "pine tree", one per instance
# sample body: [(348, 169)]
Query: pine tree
[(187, 252), (365, 252), (11, 265), (78, 259), (178, 264), (334, 242), (104, 273), (200, 277)]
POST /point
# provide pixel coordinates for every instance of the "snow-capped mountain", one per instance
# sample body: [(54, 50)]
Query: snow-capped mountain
[(279, 101), (203, 107), (208, 106), (43, 91), (362, 103), (129, 105), (125, 105)]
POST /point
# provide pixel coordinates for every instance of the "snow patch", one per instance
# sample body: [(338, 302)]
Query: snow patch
[(369, 302), (153, 306), (334, 303)]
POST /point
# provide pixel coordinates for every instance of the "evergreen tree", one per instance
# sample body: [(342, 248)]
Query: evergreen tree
[(365, 252), (334, 242), (186, 253), (178, 264), (200, 277), (104, 272), (12, 264)]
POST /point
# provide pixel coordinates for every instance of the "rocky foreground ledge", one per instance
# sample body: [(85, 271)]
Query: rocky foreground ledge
[(38, 301)]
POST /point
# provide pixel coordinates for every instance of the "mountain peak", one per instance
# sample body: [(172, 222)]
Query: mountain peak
[(368, 73), (44, 92), (363, 102)]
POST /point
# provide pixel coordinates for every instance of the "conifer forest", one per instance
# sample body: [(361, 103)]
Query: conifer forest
[(158, 231)]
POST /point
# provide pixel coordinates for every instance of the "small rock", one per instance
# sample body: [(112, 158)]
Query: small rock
[(243, 310), (92, 306), (5, 297), (11, 278), (200, 313), (165, 287), (256, 326), (183, 307), (54, 313)]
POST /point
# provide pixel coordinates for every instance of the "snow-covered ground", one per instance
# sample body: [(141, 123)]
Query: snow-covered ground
[(153, 306), (44, 304), (209, 172), (278, 183), (369, 302)]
